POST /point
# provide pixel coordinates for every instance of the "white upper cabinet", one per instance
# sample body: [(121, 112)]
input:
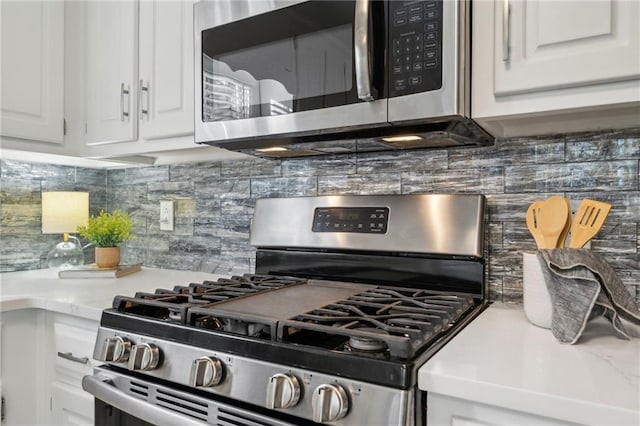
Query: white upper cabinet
[(111, 71), (555, 66), (139, 88), (32, 75), (166, 69)]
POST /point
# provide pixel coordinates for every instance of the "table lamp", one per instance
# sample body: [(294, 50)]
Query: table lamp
[(62, 213)]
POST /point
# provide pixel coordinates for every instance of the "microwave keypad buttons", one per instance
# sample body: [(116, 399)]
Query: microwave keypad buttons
[(400, 12), (416, 47)]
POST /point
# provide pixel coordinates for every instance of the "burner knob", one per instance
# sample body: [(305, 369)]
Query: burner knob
[(283, 391), (329, 403), (144, 356), (115, 349), (205, 372)]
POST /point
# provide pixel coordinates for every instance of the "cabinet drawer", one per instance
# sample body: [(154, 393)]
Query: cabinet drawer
[(73, 351)]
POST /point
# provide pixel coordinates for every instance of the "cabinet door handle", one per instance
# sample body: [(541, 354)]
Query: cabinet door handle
[(124, 114), (505, 30), (145, 89), (70, 357)]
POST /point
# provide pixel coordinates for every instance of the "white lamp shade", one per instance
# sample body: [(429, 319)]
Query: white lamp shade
[(63, 212)]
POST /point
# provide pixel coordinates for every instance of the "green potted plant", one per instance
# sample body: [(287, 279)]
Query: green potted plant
[(105, 232)]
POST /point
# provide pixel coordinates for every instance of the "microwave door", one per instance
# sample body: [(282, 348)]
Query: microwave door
[(293, 70)]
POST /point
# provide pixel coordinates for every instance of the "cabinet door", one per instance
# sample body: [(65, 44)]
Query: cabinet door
[(166, 69), (32, 77), (71, 406), (24, 369), (111, 67), (560, 44)]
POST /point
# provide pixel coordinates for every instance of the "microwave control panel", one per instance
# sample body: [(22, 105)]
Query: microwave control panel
[(362, 220), (415, 46)]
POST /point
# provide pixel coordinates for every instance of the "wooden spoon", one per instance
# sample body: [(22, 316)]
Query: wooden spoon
[(587, 221), (567, 226), (552, 219), (533, 212)]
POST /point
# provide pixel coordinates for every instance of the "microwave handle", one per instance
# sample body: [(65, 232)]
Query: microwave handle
[(361, 50)]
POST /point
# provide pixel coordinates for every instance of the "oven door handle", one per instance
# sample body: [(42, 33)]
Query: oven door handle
[(100, 387), (361, 50)]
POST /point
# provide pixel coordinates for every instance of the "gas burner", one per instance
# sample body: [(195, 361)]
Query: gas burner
[(367, 343), (397, 321)]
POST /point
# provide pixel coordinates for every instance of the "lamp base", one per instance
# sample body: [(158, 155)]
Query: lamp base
[(65, 255)]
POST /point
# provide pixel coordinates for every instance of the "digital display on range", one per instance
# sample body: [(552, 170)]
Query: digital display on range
[(365, 220)]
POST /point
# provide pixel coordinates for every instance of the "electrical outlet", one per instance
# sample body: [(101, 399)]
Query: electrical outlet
[(166, 215)]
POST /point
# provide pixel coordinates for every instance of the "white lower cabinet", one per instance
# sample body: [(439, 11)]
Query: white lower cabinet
[(72, 355), (43, 357), (444, 410), (24, 370), (71, 406)]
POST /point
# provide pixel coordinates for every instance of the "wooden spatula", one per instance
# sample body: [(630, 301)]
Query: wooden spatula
[(552, 219), (567, 226), (587, 221), (533, 212)]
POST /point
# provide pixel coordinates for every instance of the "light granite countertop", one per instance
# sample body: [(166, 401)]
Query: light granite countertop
[(501, 359), (85, 298)]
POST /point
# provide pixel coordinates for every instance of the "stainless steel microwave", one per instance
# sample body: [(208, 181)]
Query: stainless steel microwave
[(293, 78)]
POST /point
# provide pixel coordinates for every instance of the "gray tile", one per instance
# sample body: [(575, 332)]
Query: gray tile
[(20, 191), (117, 177), (470, 181), (625, 205), (319, 166), (185, 208), (207, 208), (573, 177), (157, 191), (375, 184), (225, 188), (214, 201), (37, 171), (91, 177), (512, 207), (138, 175), (251, 168), (283, 187), (507, 152), (237, 207), (603, 146), (403, 161), (21, 219), (198, 172), (127, 198)]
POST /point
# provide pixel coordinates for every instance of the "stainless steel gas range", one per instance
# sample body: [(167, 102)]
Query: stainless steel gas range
[(352, 294)]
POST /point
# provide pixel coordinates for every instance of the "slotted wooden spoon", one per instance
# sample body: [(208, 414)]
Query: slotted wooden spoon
[(587, 221), (533, 212), (567, 226), (552, 219)]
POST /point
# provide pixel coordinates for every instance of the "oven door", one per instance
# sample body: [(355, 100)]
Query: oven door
[(287, 68), (122, 399)]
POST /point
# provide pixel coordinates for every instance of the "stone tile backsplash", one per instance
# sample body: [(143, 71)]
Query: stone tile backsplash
[(214, 201)]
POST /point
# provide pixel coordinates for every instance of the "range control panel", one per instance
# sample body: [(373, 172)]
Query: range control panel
[(365, 220), (415, 46)]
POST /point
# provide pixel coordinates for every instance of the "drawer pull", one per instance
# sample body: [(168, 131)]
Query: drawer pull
[(70, 357)]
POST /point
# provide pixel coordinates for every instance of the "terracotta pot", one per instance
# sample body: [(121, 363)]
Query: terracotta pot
[(107, 257)]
